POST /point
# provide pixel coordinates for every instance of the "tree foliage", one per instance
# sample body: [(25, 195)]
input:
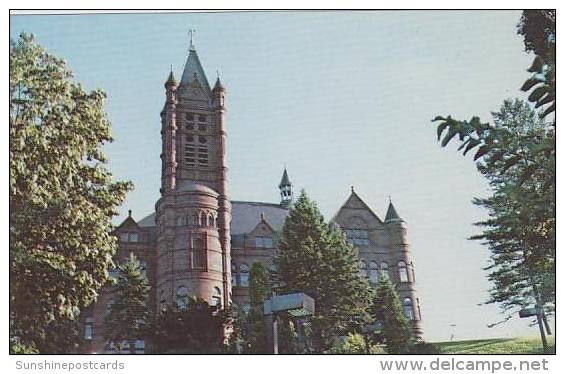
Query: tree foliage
[(396, 331), (62, 197), (196, 330), (538, 30), (314, 258), (517, 156), (253, 330), (354, 343), (130, 313)]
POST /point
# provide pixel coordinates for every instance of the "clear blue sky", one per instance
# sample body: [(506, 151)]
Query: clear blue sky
[(341, 98)]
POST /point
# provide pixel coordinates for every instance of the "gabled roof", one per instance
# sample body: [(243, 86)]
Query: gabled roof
[(355, 202), (245, 216), (128, 223), (193, 69), (392, 215)]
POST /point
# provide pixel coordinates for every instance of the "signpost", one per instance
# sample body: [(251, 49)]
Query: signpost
[(295, 304)]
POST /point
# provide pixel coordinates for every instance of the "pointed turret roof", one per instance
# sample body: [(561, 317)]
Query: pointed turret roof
[(218, 85), (171, 80), (285, 181), (392, 215), (193, 69)]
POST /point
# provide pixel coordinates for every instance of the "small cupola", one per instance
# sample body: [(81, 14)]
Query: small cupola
[(285, 188)]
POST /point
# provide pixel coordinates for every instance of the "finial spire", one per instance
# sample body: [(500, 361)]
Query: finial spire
[(352, 189), (129, 213), (192, 33)]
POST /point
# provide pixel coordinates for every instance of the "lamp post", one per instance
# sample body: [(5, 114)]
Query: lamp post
[(295, 304)]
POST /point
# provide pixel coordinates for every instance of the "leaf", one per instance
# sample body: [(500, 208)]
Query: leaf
[(450, 134), (481, 152), (472, 144), (441, 127), (537, 65), (538, 93), (530, 83), (548, 110), (545, 100)]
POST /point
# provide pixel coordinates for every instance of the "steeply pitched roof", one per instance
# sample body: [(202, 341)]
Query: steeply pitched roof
[(285, 181), (392, 215), (245, 216), (171, 80), (218, 84), (192, 69), (355, 202)]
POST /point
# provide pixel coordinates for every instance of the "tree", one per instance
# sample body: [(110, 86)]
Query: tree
[(130, 312), (62, 197), (396, 330), (517, 156), (252, 329), (197, 329), (314, 258), (354, 344)]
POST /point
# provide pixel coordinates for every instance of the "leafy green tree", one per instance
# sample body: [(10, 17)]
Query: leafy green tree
[(127, 320), (62, 197), (354, 343), (517, 156), (197, 329), (538, 29), (314, 258), (396, 332), (255, 330)]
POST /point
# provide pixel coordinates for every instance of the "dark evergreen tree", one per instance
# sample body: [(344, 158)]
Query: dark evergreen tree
[(198, 329), (62, 198), (315, 258), (396, 332), (130, 313)]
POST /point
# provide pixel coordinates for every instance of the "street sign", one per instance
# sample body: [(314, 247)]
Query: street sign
[(296, 304), (529, 312)]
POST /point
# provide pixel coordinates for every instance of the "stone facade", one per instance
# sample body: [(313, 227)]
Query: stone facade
[(199, 242)]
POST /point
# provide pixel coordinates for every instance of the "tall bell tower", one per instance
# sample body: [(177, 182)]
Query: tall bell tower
[(194, 212)]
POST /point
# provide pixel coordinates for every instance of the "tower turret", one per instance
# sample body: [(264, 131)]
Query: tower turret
[(194, 212), (285, 188), (402, 261)]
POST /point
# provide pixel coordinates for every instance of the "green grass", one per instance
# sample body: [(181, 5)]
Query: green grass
[(527, 345)]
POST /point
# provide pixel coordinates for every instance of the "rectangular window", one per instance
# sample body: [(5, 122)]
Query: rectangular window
[(263, 242), (124, 237), (202, 118), (88, 328), (202, 127), (133, 237)]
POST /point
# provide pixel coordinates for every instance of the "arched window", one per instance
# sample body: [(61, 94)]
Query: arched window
[(412, 271), (244, 275), (162, 301), (199, 256), (195, 220), (362, 268), (402, 271), (408, 310), (418, 308), (233, 274), (374, 272), (182, 298), (384, 270), (217, 297), (202, 219), (210, 220)]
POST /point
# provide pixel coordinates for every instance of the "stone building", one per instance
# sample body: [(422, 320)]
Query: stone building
[(199, 242)]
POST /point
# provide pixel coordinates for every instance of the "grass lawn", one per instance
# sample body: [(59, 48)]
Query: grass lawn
[(527, 345)]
